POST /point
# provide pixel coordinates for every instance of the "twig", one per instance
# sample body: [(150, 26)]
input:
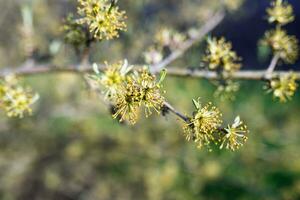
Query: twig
[(175, 112), (202, 32), (272, 66)]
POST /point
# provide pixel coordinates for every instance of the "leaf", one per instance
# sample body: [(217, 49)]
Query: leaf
[(197, 104), (163, 75)]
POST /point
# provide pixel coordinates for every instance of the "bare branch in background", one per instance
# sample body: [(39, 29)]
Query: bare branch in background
[(212, 23), (36, 69)]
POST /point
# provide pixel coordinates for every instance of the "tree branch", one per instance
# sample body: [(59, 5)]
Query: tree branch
[(35, 69)]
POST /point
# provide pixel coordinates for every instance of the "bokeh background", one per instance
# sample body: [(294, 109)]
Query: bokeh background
[(71, 149)]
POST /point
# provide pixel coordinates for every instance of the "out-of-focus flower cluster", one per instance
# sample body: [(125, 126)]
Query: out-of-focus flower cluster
[(282, 44), (283, 87), (204, 128), (233, 5), (280, 12), (128, 90), (103, 18), (227, 90), (15, 100), (166, 37), (165, 41), (220, 56)]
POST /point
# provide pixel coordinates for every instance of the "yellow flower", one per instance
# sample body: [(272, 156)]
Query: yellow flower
[(235, 135), (284, 87), (282, 44), (14, 99), (112, 77), (140, 89), (280, 12), (104, 19), (128, 102), (201, 127), (150, 91), (219, 55)]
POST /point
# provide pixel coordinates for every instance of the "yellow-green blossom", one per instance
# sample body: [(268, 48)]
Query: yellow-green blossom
[(112, 77), (103, 19), (201, 127), (283, 87), (150, 91), (128, 101), (235, 135), (282, 44), (227, 90), (139, 90), (219, 56), (280, 12), (14, 99)]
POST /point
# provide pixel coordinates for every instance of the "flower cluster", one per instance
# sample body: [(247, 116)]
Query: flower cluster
[(283, 87), (204, 128), (219, 56), (227, 90), (112, 77), (201, 127), (103, 18), (129, 90), (166, 40), (14, 99), (235, 135), (280, 12), (282, 44)]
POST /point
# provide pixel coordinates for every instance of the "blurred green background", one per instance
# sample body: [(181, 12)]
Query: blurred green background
[(71, 148)]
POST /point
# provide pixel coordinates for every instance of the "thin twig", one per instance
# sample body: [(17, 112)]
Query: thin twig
[(272, 66), (175, 112), (212, 23)]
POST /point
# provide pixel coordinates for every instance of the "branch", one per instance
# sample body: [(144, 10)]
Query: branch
[(212, 23), (240, 75), (36, 69)]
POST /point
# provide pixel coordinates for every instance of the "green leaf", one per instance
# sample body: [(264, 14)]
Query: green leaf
[(163, 75)]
